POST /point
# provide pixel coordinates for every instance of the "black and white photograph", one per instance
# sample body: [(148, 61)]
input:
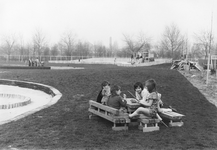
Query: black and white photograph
[(108, 74)]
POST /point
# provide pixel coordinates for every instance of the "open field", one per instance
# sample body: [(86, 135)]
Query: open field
[(65, 125)]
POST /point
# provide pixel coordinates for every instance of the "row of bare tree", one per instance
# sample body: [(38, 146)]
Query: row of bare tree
[(173, 44), (67, 46)]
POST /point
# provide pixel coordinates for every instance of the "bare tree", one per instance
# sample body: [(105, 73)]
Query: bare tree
[(215, 49), (67, 43), (20, 46), (46, 51), (186, 47), (137, 45), (172, 41), (39, 42), (196, 50), (54, 50), (8, 45), (115, 48), (204, 39), (100, 50), (29, 49), (83, 49)]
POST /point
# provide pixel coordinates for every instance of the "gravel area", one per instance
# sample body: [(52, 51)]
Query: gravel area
[(198, 79)]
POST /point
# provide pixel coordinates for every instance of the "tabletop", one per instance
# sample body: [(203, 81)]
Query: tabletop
[(131, 103)]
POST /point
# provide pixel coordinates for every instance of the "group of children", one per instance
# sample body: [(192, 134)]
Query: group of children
[(146, 95), (35, 62)]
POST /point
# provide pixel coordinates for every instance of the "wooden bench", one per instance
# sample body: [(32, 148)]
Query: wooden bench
[(120, 120), (147, 124), (174, 118)]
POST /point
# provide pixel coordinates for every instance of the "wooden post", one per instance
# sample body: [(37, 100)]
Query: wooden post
[(207, 75), (215, 69)]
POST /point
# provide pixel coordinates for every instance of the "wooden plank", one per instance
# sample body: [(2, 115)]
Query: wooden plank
[(132, 105), (121, 119), (171, 115), (104, 107), (176, 124), (110, 118), (151, 129), (110, 114)]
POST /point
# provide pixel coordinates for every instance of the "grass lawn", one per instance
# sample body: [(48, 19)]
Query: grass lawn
[(65, 125)]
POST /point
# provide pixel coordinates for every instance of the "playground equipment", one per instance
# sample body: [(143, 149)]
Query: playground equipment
[(180, 65), (147, 56)]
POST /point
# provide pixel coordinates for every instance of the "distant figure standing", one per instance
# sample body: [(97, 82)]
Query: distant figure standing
[(37, 62), (30, 62), (105, 87), (132, 59)]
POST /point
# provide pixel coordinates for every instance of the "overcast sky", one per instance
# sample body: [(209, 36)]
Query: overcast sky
[(98, 20)]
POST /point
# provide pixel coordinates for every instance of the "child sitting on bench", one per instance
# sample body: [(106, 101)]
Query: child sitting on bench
[(116, 101), (141, 94), (151, 105), (104, 93)]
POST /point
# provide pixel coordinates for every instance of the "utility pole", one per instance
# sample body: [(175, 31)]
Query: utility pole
[(210, 42)]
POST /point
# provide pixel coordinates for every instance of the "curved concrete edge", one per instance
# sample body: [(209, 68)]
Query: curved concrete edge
[(30, 85), (57, 95)]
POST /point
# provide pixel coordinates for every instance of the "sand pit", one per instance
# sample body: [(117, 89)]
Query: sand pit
[(18, 102)]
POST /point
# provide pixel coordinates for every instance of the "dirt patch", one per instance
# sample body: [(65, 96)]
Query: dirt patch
[(198, 79)]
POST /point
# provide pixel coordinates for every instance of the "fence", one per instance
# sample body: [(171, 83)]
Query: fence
[(76, 59), (46, 58)]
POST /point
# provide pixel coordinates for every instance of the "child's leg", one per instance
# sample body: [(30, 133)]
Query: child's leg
[(140, 110)]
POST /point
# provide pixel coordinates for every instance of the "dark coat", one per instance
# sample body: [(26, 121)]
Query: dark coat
[(99, 97)]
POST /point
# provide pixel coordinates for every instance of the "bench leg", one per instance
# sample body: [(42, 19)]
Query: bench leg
[(176, 123), (148, 127), (120, 127), (91, 116)]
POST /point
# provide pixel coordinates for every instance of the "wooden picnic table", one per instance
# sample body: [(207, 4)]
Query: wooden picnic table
[(174, 117), (132, 106), (145, 123)]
